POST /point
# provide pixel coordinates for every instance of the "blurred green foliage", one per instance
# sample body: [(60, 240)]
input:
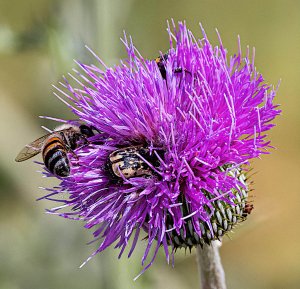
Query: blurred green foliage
[(39, 40)]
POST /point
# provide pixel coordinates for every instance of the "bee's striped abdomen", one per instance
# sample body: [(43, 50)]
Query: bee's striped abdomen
[(55, 157)]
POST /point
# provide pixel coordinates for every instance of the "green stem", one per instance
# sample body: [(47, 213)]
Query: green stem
[(209, 266)]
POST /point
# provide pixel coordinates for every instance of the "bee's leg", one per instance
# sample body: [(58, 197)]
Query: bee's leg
[(85, 141), (82, 140), (73, 154)]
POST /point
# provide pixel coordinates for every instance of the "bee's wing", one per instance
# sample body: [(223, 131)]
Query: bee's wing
[(31, 149)]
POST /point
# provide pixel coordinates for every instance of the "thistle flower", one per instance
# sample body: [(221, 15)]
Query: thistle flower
[(200, 114)]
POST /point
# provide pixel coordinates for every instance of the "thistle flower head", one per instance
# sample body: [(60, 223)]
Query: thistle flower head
[(189, 121)]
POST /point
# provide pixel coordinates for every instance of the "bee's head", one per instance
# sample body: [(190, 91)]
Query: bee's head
[(86, 131)]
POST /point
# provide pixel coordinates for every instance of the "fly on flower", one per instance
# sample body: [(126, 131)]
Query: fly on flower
[(178, 148)]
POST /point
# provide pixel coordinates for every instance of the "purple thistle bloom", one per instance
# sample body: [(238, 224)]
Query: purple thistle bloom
[(201, 122)]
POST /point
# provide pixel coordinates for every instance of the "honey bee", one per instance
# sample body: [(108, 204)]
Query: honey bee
[(130, 162), (55, 147)]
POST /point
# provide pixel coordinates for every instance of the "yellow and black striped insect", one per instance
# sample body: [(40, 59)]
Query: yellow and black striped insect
[(132, 161), (55, 147)]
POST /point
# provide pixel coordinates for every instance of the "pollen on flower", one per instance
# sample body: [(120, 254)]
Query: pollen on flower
[(177, 134)]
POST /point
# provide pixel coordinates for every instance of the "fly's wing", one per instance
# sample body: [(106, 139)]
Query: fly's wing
[(31, 149)]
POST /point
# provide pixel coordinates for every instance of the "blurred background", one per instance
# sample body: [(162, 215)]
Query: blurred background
[(39, 40)]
